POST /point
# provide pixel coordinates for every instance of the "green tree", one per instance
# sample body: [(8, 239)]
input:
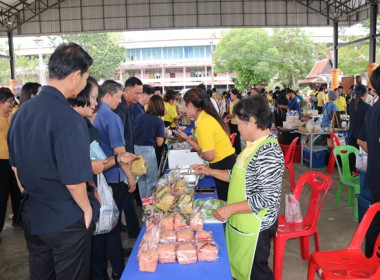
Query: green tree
[(297, 54), (26, 68), (352, 60), (248, 52), (102, 47)]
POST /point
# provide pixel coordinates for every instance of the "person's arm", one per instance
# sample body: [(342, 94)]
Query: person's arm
[(79, 194), (182, 135), (18, 181), (127, 170), (224, 212), (124, 158), (97, 166), (363, 145), (159, 141), (222, 175)]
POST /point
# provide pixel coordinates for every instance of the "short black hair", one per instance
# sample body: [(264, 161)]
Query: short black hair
[(202, 87), (83, 98), (148, 89), (158, 88), (375, 79), (68, 58), (132, 81), (236, 92), (111, 87), (5, 94), (27, 91), (257, 107)]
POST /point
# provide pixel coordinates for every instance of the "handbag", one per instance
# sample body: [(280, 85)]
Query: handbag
[(109, 214)]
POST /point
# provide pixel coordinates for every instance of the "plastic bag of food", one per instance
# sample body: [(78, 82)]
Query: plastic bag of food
[(167, 223), (166, 252), (179, 222), (203, 235), (207, 251), (185, 203), (165, 201), (185, 235), (148, 261), (196, 221), (186, 253), (168, 236), (292, 209), (209, 206), (138, 166), (152, 236), (180, 186)]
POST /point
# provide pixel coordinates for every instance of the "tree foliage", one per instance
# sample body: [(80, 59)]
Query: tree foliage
[(102, 47), (286, 56), (248, 52)]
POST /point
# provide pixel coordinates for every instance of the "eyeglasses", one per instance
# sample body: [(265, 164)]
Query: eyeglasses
[(11, 101)]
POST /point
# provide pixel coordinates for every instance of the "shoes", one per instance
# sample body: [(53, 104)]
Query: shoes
[(127, 252), (115, 275), (124, 228)]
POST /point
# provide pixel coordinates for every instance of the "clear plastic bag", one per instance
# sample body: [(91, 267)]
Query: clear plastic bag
[(109, 214), (292, 209)]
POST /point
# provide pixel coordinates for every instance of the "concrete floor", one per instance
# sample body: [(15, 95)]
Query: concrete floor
[(336, 228)]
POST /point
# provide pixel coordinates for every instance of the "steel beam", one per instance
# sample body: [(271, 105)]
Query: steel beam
[(372, 34), (11, 55)]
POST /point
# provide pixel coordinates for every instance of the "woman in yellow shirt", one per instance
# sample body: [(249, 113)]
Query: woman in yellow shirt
[(171, 117), (8, 183), (213, 141)]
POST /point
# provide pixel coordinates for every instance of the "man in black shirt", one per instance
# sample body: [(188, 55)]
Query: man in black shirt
[(49, 152), (369, 140)]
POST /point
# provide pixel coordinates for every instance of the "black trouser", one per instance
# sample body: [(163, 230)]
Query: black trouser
[(65, 254), (8, 186), (237, 143), (374, 228), (128, 205), (320, 109), (224, 164), (352, 157), (260, 267)]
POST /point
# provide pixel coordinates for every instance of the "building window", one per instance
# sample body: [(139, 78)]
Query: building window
[(133, 54), (196, 74), (151, 53), (173, 53), (157, 75), (195, 52)]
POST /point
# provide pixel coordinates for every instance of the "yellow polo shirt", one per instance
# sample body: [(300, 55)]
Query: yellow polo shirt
[(341, 103), (321, 99), (211, 136), (171, 113), (4, 126), (232, 104)]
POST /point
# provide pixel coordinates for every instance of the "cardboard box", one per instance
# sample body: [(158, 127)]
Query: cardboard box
[(181, 158)]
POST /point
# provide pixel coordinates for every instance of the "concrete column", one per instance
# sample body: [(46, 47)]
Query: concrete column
[(335, 78)]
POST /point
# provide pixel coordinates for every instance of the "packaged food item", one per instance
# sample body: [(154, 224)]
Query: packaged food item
[(203, 235), (186, 253), (148, 261), (196, 221), (180, 186), (167, 223), (138, 166), (185, 203), (165, 201), (184, 235), (179, 222), (207, 251), (166, 252), (209, 207), (168, 236), (152, 236)]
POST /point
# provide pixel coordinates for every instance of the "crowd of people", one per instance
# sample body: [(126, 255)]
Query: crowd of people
[(46, 168)]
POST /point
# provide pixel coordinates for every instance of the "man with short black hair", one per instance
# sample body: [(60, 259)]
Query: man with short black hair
[(49, 152)]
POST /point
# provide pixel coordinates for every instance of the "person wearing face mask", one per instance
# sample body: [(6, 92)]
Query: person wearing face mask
[(8, 183), (212, 142)]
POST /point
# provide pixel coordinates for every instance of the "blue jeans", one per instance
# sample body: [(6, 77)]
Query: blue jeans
[(147, 181)]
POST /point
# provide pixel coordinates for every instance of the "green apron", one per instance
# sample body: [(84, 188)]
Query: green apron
[(242, 230)]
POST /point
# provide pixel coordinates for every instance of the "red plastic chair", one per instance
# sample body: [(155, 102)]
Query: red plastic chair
[(334, 143), (349, 263), (232, 138), (289, 162), (320, 185)]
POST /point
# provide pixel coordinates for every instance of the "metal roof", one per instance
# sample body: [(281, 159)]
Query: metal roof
[(43, 17)]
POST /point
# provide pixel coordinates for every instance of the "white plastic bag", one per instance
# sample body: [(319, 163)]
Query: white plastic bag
[(109, 214), (292, 209)]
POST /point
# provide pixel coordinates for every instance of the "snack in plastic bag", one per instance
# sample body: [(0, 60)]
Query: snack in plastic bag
[(180, 186), (196, 221), (148, 261), (209, 206), (185, 203), (165, 201), (166, 253), (207, 252), (168, 235), (184, 235), (152, 236), (179, 222), (138, 166), (292, 209), (203, 235), (167, 223), (186, 253)]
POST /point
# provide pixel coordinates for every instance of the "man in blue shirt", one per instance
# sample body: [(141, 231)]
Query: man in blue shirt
[(49, 152), (294, 103), (133, 89), (112, 142), (369, 140)]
